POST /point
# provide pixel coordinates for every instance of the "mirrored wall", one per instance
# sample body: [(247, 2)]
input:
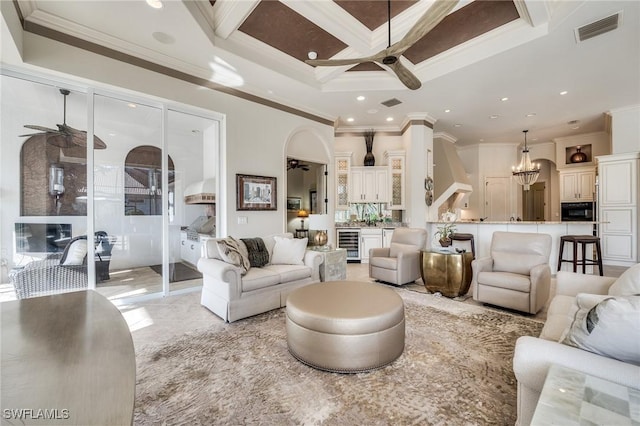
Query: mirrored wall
[(138, 200)]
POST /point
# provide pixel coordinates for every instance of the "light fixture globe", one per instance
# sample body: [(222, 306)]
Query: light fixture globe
[(526, 173)]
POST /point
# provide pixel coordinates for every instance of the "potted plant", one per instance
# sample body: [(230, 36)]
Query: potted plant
[(445, 231)]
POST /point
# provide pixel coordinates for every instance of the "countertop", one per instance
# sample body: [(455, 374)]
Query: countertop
[(381, 225), (522, 222)]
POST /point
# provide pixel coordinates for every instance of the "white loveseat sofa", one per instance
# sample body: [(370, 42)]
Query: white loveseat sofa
[(534, 355), (232, 295)]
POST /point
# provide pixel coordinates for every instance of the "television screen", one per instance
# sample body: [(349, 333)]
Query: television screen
[(42, 237)]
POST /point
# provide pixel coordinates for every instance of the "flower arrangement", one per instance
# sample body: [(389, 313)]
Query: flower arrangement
[(445, 231)]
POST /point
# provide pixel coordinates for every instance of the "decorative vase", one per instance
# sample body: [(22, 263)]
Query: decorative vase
[(445, 242), (369, 159), (578, 156)]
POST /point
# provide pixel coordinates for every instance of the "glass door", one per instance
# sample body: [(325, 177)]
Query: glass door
[(128, 197), (43, 217), (193, 147)]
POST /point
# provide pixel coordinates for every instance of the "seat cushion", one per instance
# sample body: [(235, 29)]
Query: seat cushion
[(505, 280), (384, 262), (288, 273), (257, 278)]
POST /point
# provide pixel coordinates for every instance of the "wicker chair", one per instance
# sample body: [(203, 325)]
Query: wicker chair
[(50, 276)]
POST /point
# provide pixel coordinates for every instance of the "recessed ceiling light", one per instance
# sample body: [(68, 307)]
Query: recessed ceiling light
[(481, 140), (573, 122), (195, 131), (156, 4), (564, 92), (312, 55), (531, 114), (112, 134), (372, 111), (130, 105), (457, 125), (575, 127), (361, 98), (447, 110), (494, 116), (350, 119), (389, 118), (504, 99), (534, 139)]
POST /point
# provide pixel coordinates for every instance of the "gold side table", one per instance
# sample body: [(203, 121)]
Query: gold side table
[(446, 272)]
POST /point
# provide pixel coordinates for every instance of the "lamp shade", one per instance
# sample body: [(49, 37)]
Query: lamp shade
[(319, 222), (303, 213)]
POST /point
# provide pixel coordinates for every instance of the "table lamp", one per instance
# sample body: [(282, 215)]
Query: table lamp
[(302, 214), (320, 223)]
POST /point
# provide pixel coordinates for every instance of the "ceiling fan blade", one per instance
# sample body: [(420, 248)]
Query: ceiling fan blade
[(426, 23), (406, 77), (41, 128), (337, 62)]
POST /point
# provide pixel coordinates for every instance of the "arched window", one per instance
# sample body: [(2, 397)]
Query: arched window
[(143, 181)]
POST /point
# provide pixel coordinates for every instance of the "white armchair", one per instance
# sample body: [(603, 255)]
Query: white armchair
[(400, 262), (517, 275)]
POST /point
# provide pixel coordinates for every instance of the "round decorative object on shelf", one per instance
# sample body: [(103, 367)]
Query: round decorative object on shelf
[(578, 156)]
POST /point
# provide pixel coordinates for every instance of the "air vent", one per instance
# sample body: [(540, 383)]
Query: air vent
[(602, 26), (391, 102)]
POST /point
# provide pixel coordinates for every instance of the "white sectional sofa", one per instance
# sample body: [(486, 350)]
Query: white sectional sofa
[(577, 292), (232, 295)]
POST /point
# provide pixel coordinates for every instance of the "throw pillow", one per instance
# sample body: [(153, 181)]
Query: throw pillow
[(230, 252), (289, 251), (258, 253), (610, 328), (628, 283), (75, 253)]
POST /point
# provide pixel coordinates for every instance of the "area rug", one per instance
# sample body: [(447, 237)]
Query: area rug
[(178, 272), (455, 370)]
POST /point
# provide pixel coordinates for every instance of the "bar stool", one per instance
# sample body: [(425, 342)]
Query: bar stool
[(582, 240), (465, 237)]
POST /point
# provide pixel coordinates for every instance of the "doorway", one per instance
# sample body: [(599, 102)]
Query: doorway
[(533, 202)]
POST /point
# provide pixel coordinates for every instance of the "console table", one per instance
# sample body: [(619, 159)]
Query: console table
[(67, 359), (446, 271), (570, 397)]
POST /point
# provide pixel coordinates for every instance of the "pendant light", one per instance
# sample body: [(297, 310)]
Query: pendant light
[(526, 173)]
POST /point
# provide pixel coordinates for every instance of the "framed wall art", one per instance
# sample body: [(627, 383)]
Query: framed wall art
[(578, 154), (256, 192), (313, 201), (294, 204)]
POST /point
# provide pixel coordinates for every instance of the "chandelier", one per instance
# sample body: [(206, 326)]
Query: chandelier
[(526, 173)]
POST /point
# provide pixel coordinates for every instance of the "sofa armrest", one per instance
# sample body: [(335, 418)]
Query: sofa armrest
[(313, 259), (219, 270), (533, 357), (571, 283), (483, 264)]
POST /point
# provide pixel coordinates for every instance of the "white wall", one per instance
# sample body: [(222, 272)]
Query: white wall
[(625, 129)]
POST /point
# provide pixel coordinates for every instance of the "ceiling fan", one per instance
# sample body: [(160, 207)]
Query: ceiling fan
[(292, 163), (391, 55), (65, 136)]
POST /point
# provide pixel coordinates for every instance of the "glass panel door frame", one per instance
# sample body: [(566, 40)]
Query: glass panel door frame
[(165, 106)]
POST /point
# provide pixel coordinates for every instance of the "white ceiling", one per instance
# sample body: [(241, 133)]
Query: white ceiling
[(530, 61)]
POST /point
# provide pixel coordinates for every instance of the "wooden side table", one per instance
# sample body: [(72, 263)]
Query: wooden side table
[(446, 272), (334, 265)]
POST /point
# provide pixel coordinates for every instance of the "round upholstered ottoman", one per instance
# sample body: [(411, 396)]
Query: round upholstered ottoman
[(345, 326)]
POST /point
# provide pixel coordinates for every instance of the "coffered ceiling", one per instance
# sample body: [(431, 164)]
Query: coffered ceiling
[(489, 70)]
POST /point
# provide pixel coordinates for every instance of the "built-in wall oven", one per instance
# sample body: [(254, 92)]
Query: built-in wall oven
[(349, 238), (578, 212)]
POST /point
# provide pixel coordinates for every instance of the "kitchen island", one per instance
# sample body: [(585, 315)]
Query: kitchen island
[(483, 231)]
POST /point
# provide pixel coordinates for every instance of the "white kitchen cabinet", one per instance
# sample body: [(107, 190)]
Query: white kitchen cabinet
[(189, 249), (396, 185), (369, 238), (386, 237), (619, 176), (343, 169), (369, 185), (577, 185)]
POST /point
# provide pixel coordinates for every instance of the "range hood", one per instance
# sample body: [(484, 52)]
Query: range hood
[(451, 184), (201, 192)]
